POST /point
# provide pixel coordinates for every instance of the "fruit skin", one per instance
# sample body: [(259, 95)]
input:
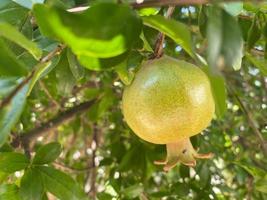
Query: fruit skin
[(169, 100)]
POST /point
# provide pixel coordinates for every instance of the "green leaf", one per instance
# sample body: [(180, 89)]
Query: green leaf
[(9, 192), (76, 69), (65, 79), (98, 64), (47, 153), (11, 162), (31, 186), (10, 113), (9, 65), (133, 191), (28, 3), (60, 184), (252, 170), (224, 46), (219, 92), (6, 85), (261, 185), (12, 13), (11, 33), (255, 30), (261, 64), (125, 75), (233, 8), (174, 29), (106, 37)]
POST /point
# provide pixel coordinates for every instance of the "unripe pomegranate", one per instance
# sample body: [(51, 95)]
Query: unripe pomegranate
[(168, 102)]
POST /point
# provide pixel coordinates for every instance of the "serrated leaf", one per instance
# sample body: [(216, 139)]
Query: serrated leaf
[(31, 186), (177, 31), (47, 153), (9, 192), (28, 3), (60, 184), (11, 162), (10, 113), (11, 33), (9, 65), (224, 47), (106, 37)]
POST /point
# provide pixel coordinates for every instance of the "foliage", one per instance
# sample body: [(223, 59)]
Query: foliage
[(62, 73)]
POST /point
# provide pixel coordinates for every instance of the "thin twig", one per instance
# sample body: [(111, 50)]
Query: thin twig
[(94, 146), (46, 91), (72, 169), (52, 124), (160, 41)]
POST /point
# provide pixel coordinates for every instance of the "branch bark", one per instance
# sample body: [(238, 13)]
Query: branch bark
[(64, 117), (161, 37), (159, 3)]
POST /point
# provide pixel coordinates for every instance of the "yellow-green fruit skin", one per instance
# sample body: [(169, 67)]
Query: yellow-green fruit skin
[(167, 101)]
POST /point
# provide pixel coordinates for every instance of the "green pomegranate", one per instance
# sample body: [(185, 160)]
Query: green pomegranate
[(168, 102)]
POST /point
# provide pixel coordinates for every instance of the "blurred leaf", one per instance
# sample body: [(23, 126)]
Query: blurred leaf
[(98, 64), (233, 8), (180, 189), (12, 13), (147, 46), (65, 79), (219, 92), (60, 184), (6, 85), (174, 29), (11, 33), (106, 37), (204, 175), (40, 70), (9, 192), (28, 3), (10, 113), (31, 186), (75, 67), (225, 43), (261, 185), (260, 64), (202, 20), (148, 11), (47, 153), (252, 170), (255, 30), (125, 76), (9, 65), (104, 196), (133, 191), (11, 162)]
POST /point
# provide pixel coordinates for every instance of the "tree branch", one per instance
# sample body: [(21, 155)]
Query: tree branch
[(161, 37), (25, 138), (159, 3)]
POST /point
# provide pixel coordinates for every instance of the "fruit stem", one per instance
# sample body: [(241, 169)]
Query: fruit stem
[(181, 151)]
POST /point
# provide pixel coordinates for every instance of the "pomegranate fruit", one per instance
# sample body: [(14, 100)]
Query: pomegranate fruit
[(168, 102)]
